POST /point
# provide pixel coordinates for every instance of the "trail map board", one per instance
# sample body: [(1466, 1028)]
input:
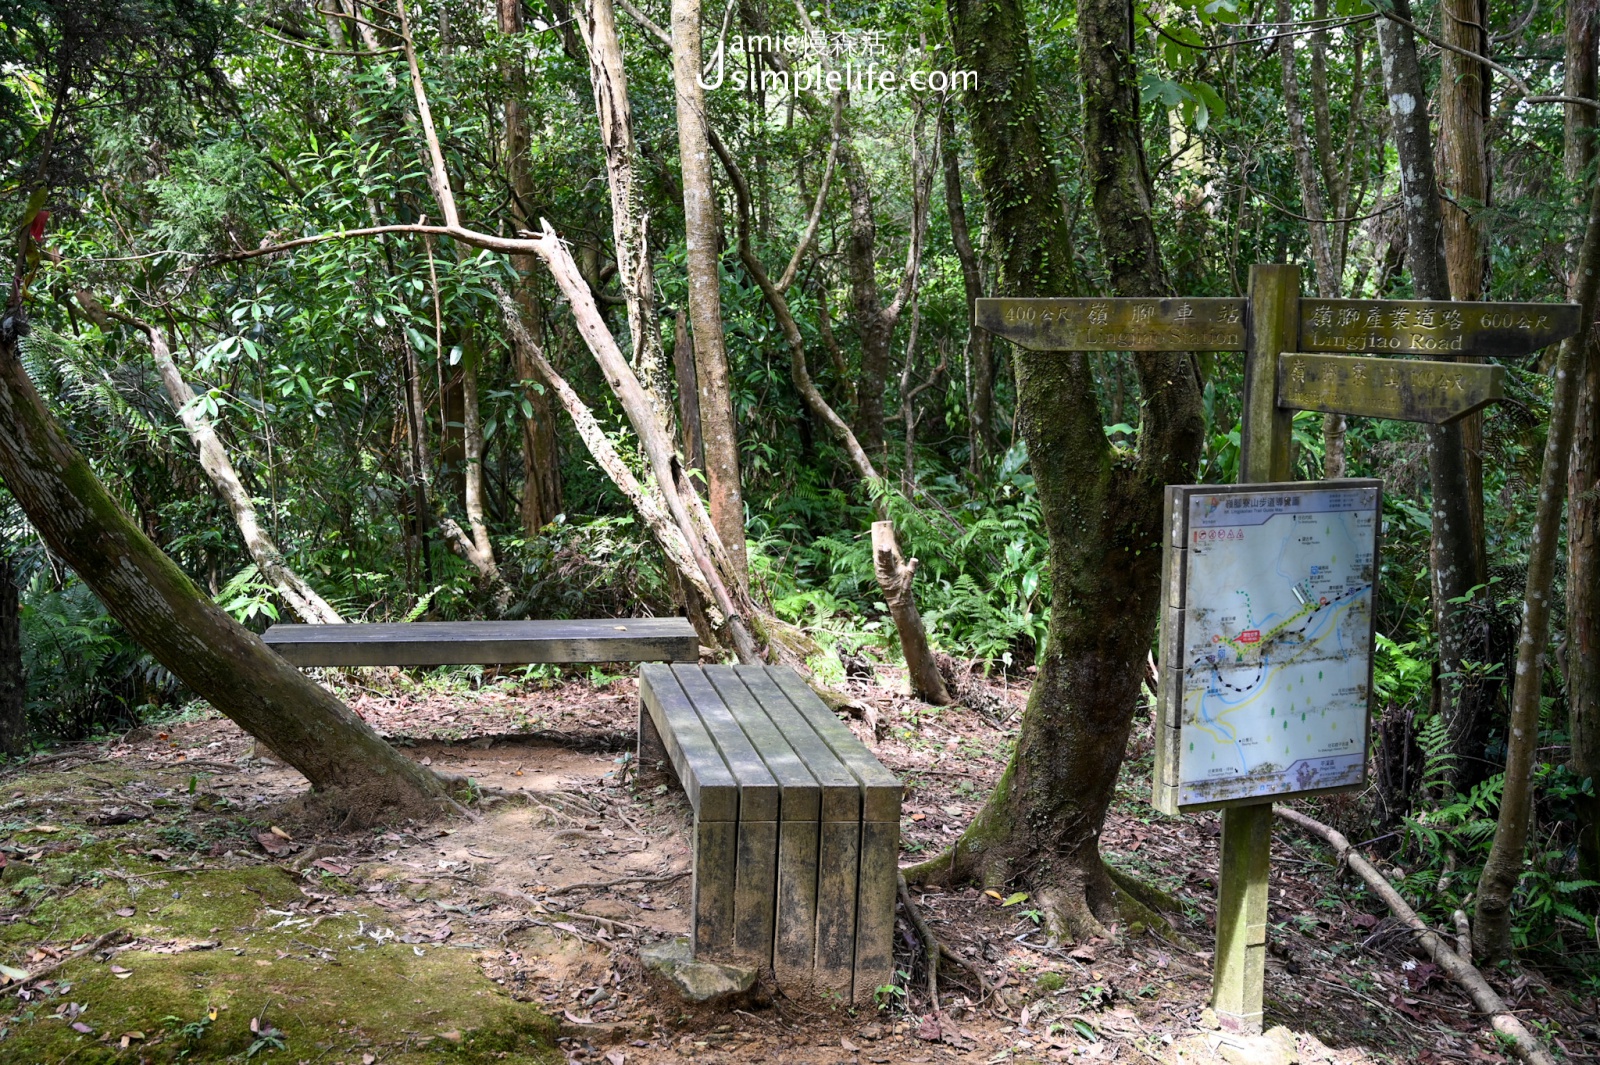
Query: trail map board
[(1267, 643)]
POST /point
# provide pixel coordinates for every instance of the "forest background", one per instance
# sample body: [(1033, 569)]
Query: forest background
[(426, 422)]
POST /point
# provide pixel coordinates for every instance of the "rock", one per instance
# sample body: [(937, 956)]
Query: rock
[(1277, 1047), (697, 981), (1208, 1019)]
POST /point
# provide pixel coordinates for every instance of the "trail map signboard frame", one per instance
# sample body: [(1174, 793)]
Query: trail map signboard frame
[(1266, 641), (1299, 354)]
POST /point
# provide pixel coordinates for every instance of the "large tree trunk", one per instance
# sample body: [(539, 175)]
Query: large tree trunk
[(1455, 563), (718, 431), (1583, 479), (160, 606), (541, 461), (1042, 823), (1503, 870), (873, 328)]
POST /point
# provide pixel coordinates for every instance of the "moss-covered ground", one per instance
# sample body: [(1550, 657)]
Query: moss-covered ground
[(220, 957)]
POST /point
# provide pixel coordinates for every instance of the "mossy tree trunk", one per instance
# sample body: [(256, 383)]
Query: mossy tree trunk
[(1041, 827), (162, 608)]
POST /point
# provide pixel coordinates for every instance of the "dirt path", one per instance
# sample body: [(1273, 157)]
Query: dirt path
[(514, 937)]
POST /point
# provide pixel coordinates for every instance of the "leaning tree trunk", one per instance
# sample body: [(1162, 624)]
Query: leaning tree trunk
[(895, 575), (301, 597), (160, 606), (1503, 870), (1455, 563), (1042, 823)]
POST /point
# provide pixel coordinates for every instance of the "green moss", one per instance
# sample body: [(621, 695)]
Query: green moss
[(1050, 983), (328, 986)]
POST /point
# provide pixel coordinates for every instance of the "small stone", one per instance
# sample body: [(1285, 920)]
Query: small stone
[(1277, 1047), (1208, 1018), (697, 980)]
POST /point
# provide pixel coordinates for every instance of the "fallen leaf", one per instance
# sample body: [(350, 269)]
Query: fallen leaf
[(452, 1036), (271, 844), (126, 911), (120, 973), (43, 828), (1364, 920), (919, 817), (79, 1026), (11, 973), (129, 1037), (929, 1028), (1082, 953), (427, 761), (849, 1046), (331, 866), (575, 1019), (368, 1059), (993, 894), (280, 833), (615, 1057)]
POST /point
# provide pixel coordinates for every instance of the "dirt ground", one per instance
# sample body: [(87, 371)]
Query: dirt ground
[(167, 901)]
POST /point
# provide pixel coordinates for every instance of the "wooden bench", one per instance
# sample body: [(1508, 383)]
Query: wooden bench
[(796, 828), (486, 643)]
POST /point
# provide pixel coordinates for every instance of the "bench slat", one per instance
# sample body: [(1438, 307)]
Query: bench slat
[(880, 789), (758, 791), (454, 643), (706, 779), (798, 794), (841, 792)]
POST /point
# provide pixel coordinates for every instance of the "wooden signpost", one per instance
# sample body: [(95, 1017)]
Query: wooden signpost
[(1300, 354)]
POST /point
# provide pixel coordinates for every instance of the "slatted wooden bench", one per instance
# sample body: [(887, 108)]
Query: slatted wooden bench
[(486, 643), (796, 828)]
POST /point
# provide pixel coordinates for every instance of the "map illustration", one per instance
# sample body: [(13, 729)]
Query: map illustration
[(1276, 640)]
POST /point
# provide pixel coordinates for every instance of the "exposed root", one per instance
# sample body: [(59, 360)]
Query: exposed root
[(931, 946)]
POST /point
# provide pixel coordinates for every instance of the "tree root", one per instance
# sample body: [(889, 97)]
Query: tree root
[(931, 946), (1461, 970)]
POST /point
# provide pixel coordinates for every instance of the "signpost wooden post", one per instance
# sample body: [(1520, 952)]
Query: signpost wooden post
[(1300, 354)]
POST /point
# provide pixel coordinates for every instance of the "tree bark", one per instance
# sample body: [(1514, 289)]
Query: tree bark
[(1455, 563), (541, 463), (980, 342), (895, 575), (702, 235), (1583, 480), (301, 597), (160, 606), (688, 394), (1491, 926), (1581, 66), (1464, 185), (1043, 821)]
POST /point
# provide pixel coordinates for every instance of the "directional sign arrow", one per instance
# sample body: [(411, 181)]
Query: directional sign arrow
[(1133, 324), (1434, 327), (1409, 390)]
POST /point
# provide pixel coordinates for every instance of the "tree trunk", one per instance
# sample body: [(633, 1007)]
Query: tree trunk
[(1581, 66), (1455, 563), (873, 327), (688, 394), (1583, 479), (702, 235), (13, 685), (895, 575), (1326, 258), (301, 597), (1491, 926), (1464, 182), (541, 462), (160, 606), (610, 81), (1042, 823), (980, 342)]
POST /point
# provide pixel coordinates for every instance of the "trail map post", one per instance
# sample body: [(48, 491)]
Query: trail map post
[(1300, 354)]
